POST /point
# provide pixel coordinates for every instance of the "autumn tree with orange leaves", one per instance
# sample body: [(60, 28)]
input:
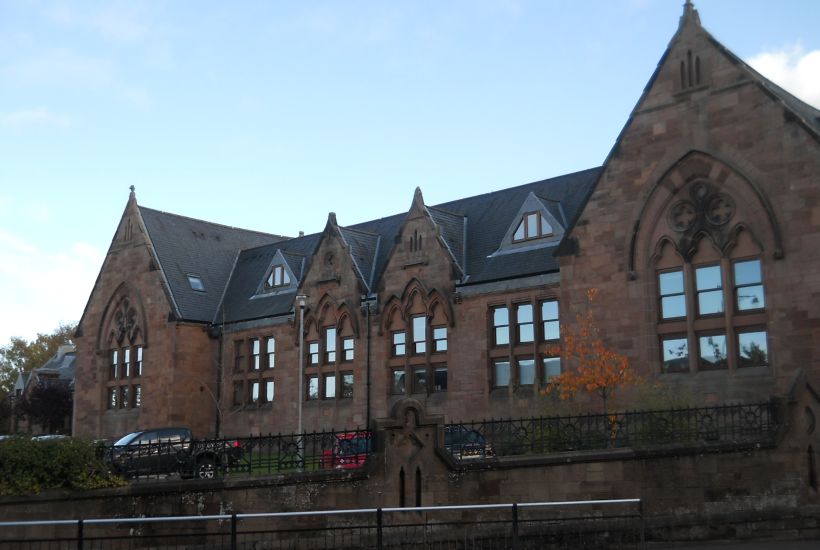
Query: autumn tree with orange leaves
[(588, 364)]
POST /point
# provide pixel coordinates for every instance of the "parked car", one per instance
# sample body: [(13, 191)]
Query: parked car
[(51, 437), (350, 450), (465, 443), (171, 450)]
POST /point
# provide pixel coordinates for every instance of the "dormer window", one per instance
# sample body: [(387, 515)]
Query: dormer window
[(196, 282), (532, 226), (277, 277)]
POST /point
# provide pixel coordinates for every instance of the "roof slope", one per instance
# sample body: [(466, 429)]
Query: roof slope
[(189, 246)]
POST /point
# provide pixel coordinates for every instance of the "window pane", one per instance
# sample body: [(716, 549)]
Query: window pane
[(420, 380), (237, 393), (753, 349), (347, 345), (112, 398), (675, 352), (519, 232), (552, 367), (501, 373), (549, 310), (546, 228), (330, 340), (524, 313), (532, 225), (526, 372), (285, 277), (502, 336), (420, 333), (501, 321), (137, 396), (313, 350), (440, 379), (673, 306), (330, 386), (254, 392), (500, 317), (398, 382), (526, 333), (671, 282), (347, 385), (313, 387), (124, 402), (710, 302), (750, 297), (747, 273), (271, 349), (708, 278), (269, 391), (713, 351)]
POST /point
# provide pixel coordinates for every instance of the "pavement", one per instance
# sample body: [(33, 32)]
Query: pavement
[(746, 545)]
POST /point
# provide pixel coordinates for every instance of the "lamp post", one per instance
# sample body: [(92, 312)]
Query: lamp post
[(301, 300)]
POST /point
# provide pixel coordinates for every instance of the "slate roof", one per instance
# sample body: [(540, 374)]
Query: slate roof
[(472, 227), (185, 245)]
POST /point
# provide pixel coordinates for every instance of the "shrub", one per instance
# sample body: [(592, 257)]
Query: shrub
[(28, 467)]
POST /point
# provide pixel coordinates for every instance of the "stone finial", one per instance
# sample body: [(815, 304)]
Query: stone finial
[(418, 201), (690, 14)]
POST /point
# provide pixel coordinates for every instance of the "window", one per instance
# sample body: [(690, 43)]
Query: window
[(313, 387), (399, 343), (126, 363), (420, 380), (749, 286), (196, 282), (255, 358), (138, 365), (753, 350), (270, 347), (347, 385), (419, 334), (549, 320), (709, 290), (330, 345), (137, 396), (532, 226), (524, 323), (239, 355), (501, 325), (238, 387), (673, 299), (268, 391), (501, 373), (551, 367), (112, 371), (674, 354), (254, 392), (313, 353), (277, 277), (439, 338), (712, 351), (397, 385), (440, 378), (124, 401), (330, 386), (526, 371), (347, 349), (113, 393)]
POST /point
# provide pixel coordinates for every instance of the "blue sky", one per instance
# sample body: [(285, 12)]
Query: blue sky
[(268, 115)]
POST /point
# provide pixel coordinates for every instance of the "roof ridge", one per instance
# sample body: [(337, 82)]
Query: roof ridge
[(357, 230)]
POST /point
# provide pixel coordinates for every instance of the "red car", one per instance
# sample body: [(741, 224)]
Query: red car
[(350, 450)]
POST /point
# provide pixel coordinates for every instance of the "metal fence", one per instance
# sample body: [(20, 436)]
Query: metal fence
[(608, 524), (719, 425)]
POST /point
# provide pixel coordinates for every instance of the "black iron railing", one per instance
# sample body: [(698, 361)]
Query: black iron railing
[(253, 455), (701, 426), (564, 525)]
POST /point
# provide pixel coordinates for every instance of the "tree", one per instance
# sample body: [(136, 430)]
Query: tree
[(589, 365), (48, 403), (21, 356)]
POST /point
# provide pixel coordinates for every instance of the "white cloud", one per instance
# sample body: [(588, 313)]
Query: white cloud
[(41, 288), (792, 68), (34, 118)]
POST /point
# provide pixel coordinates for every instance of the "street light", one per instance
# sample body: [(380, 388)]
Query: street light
[(301, 300)]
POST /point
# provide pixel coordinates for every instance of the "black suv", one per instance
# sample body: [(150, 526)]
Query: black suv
[(171, 450)]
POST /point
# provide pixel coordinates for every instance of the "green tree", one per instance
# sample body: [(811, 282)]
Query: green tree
[(48, 403), (21, 356)]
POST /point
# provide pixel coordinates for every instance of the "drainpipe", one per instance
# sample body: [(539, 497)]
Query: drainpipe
[(368, 307)]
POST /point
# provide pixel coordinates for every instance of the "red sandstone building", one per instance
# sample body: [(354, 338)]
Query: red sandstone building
[(701, 232)]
